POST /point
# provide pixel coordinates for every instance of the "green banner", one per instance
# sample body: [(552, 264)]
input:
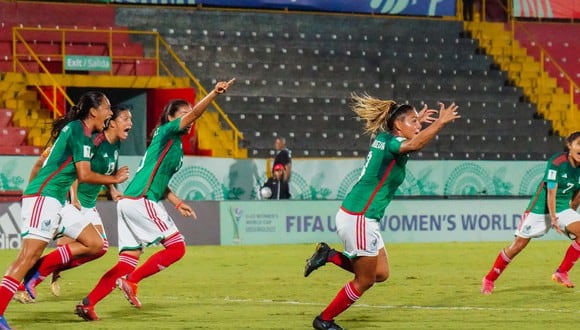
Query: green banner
[(208, 178), (87, 63), (442, 220)]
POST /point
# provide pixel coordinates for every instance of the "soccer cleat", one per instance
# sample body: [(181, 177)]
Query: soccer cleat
[(129, 290), (30, 285), (22, 297), (86, 312), (321, 324), (562, 278), (3, 324), (318, 259), (54, 285), (486, 286)]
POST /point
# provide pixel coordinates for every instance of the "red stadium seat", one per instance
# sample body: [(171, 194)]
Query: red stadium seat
[(5, 117), (12, 136)]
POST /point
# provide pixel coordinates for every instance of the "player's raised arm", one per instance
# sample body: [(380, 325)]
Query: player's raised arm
[(200, 107)]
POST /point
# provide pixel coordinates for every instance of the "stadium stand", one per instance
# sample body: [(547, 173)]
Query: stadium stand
[(559, 41), (295, 74)]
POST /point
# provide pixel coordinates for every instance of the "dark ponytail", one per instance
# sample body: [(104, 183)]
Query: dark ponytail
[(169, 110), (79, 111)]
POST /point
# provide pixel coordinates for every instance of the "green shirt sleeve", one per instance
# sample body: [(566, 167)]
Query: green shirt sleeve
[(79, 143), (394, 144)]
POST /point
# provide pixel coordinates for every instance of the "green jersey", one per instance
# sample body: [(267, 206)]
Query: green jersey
[(105, 160), (58, 172), (161, 160), (559, 172), (382, 173)]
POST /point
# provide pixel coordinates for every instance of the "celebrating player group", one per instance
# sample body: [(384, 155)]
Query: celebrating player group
[(59, 201), (60, 198)]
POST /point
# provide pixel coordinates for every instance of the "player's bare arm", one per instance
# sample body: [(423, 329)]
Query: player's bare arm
[(200, 107), (74, 200), (180, 205), (86, 175), (38, 164), (446, 115), (552, 207), (115, 194), (575, 201)]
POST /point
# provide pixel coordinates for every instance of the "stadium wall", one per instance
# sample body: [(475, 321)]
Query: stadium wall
[(210, 178), (293, 222)]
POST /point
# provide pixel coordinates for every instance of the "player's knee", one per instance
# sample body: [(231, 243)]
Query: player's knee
[(104, 249), (382, 276), (95, 246)]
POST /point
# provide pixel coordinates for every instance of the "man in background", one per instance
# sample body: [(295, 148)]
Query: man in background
[(283, 156)]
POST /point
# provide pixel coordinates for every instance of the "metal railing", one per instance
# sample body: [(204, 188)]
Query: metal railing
[(62, 37)]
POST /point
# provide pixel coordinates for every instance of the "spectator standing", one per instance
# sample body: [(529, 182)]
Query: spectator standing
[(283, 156)]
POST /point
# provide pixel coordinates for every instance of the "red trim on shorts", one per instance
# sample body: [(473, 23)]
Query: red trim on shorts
[(153, 215), (361, 233), (163, 153), (36, 211)]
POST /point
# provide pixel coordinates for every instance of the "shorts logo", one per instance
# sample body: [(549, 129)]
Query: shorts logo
[(45, 225), (526, 229)]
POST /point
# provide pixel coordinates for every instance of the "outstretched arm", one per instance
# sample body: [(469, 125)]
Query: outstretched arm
[(200, 107), (446, 115), (86, 175)]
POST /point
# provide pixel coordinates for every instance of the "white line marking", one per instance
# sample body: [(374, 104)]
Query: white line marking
[(450, 308)]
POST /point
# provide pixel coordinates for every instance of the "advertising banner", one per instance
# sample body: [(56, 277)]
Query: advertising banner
[(203, 231), (394, 7), (444, 220), (547, 8), (210, 178)]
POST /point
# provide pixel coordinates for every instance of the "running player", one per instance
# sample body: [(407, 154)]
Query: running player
[(397, 132), (555, 205), (45, 195), (84, 198), (142, 220)]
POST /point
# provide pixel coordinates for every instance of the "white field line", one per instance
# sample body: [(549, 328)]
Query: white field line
[(414, 307)]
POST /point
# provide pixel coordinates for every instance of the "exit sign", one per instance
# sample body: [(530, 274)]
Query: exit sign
[(87, 63)]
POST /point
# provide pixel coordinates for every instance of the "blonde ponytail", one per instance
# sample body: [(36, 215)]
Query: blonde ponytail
[(373, 110)]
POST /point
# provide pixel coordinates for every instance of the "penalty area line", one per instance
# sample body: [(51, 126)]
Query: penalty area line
[(403, 307)]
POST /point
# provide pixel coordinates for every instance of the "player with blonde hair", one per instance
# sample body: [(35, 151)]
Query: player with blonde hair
[(397, 131)]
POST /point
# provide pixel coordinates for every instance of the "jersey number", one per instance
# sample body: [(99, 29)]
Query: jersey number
[(570, 186), (364, 169)]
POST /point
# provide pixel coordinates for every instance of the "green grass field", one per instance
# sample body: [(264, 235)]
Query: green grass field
[(432, 286)]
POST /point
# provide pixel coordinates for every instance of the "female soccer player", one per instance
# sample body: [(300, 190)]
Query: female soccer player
[(45, 195), (142, 220), (84, 200), (555, 205), (397, 132)]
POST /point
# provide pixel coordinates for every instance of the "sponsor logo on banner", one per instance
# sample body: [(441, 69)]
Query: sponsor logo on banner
[(10, 223)]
